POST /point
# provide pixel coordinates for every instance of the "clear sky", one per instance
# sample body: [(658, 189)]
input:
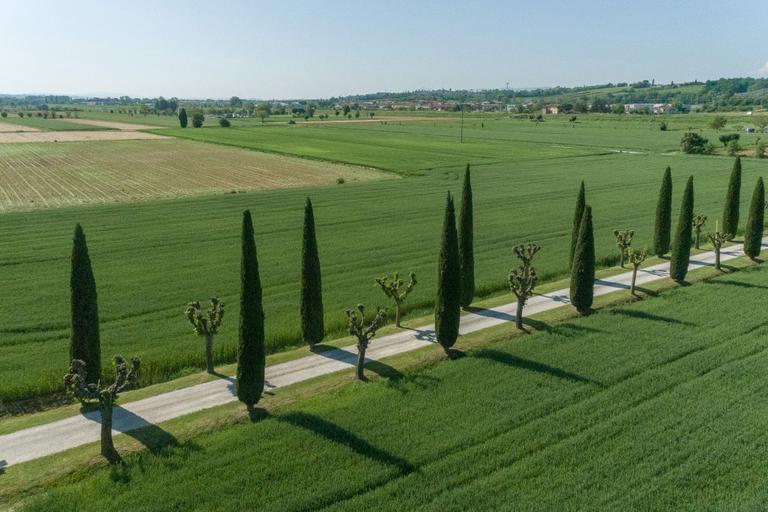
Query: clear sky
[(312, 49)]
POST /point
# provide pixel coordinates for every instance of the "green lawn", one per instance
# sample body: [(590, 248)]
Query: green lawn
[(150, 259), (50, 124), (655, 406)]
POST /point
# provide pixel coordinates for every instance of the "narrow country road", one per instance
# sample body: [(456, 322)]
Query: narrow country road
[(61, 435)]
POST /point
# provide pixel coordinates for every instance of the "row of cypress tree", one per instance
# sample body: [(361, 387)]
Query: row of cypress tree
[(251, 354)]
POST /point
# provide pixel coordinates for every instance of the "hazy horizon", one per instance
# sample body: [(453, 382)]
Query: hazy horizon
[(295, 49)]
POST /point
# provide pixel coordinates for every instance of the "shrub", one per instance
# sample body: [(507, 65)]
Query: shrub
[(663, 126), (734, 147), (197, 119), (291, 121), (760, 149), (694, 144), (224, 122), (4, 113), (340, 180)]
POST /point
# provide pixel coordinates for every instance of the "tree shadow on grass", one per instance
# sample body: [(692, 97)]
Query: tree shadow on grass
[(534, 366), (3, 464), (644, 315), (339, 435), (720, 282)]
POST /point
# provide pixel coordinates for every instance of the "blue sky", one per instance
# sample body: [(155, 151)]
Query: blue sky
[(292, 48)]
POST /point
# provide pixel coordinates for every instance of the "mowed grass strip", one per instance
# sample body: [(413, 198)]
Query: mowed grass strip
[(40, 123), (657, 405), (151, 258), (51, 175)]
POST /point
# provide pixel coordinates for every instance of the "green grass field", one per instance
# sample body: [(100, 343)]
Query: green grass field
[(655, 406), (150, 259)]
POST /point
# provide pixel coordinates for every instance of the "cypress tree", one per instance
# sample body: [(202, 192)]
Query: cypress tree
[(466, 243), (577, 215), (448, 303), (183, 117), (681, 247), (753, 235), (731, 210), (662, 233), (84, 342), (312, 327), (583, 270), (250, 350)]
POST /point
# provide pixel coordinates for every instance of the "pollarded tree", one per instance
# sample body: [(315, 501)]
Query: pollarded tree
[(732, 198), (718, 239), (522, 280), (183, 117), (393, 288), (681, 248), (623, 242), (364, 333), (206, 324), (76, 382), (753, 234), (636, 258), (577, 216), (312, 326), (251, 354), (466, 243), (85, 343), (583, 270), (698, 223), (448, 302), (662, 232)]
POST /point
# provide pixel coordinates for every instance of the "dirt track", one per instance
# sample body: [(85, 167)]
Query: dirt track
[(74, 136), (127, 127), (9, 127)]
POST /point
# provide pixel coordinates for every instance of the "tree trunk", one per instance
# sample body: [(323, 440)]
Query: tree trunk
[(634, 278), (717, 258), (519, 315), (209, 353), (107, 446), (698, 238), (397, 314), (360, 361), (621, 258)]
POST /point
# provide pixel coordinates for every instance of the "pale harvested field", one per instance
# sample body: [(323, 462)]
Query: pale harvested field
[(114, 125), (10, 127), (54, 175), (74, 136)]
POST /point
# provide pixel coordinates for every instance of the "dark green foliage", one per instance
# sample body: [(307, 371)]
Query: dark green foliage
[(753, 235), (312, 326), (198, 118), (732, 198), (663, 228), (681, 247), (448, 302), (183, 117), (251, 355), (577, 215), (728, 137), (224, 122), (583, 269), (466, 243), (694, 144), (85, 344)]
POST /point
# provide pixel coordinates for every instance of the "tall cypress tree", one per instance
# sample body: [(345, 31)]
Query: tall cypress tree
[(583, 270), (466, 243), (753, 235), (681, 247), (448, 303), (183, 117), (577, 215), (663, 231), (312, 326), (251, 355), (84, 342), (732, 197)]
